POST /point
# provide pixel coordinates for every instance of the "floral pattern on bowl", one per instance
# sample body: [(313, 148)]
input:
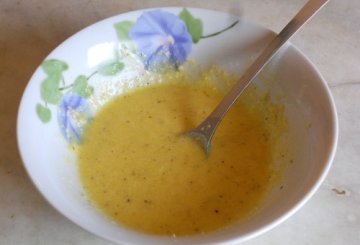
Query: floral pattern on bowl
[(161, 40)]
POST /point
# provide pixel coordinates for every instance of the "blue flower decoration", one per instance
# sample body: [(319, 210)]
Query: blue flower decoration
[(161, 38), (73, 115)]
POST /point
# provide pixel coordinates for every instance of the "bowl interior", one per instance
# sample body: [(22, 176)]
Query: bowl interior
[(308, 107)]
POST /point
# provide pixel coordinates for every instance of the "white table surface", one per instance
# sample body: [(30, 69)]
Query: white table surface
[(29, 30)]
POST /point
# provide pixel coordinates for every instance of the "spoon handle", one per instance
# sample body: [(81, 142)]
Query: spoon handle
[(308, 10)]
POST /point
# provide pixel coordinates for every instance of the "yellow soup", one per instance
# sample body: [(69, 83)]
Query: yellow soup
[(137, 168)]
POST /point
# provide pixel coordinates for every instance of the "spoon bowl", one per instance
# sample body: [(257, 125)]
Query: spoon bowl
[(205, 131)]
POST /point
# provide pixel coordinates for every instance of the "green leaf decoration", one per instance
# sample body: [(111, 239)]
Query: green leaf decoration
[(122, 29), (53, 66), (81, 87), (49, 88), (43, 113), (193, 25), (111, 69), (221, 31)]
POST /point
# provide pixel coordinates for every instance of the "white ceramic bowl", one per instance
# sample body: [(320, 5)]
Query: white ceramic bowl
[(91, 53)]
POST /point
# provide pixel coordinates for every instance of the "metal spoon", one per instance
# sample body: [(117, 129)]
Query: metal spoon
[(205, 131)]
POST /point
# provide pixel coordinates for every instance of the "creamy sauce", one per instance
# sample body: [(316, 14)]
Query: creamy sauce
[(138, 170)]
